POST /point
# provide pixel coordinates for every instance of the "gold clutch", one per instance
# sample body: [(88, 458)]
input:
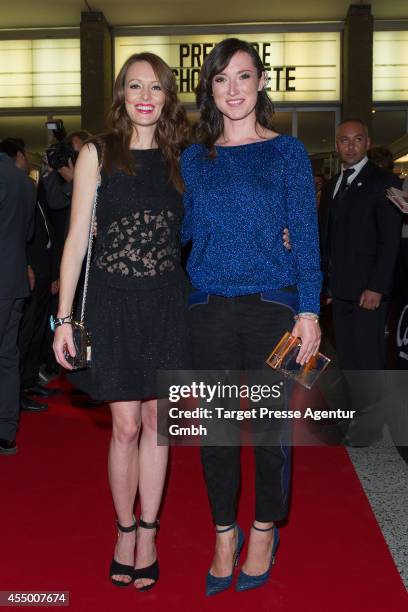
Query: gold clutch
[(283, 360)]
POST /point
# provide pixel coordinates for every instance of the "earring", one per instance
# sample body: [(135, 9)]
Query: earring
[(267, 78)]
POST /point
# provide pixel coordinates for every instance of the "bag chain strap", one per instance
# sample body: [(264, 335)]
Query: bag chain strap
[(89, 253)]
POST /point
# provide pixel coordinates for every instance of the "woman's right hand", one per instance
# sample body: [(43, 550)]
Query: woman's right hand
[(63, 344), (310, 334)]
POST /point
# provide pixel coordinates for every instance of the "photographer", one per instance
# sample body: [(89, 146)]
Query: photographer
[(58, 179), (57, 184)]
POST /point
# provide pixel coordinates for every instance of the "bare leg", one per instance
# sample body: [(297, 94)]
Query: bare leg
[(259, 550), (123, 474), (152, 474), (225, 548)]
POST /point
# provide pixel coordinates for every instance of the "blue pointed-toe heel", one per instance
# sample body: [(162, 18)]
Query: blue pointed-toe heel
[(246, 582), (214, 584)]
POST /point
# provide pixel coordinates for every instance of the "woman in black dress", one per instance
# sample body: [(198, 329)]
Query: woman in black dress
[(135, 304)]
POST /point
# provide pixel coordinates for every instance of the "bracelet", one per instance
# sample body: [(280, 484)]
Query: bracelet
[(312, 316), (57, 321)]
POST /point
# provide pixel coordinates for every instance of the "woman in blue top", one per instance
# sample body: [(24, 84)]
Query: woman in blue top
[(244, 184)]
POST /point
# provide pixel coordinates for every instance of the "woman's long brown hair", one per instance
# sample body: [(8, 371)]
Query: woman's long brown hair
[(172, 133)]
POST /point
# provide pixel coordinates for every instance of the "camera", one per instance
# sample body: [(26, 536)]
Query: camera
[(55, 125), (58, 155)]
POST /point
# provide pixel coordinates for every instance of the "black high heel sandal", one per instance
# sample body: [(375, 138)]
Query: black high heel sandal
[(117, 568), (151, 572)]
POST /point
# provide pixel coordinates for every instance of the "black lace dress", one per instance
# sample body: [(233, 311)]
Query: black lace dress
[(136, 302)]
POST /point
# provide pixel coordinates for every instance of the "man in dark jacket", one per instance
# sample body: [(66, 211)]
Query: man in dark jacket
[(16, 225), (57, 186), (360, 234), (42, 258)]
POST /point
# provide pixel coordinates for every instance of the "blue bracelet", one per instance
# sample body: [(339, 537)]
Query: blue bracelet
[(56, 322)]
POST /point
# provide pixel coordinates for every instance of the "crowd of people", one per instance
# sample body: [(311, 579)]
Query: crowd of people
[(229, 190), (40, 252)]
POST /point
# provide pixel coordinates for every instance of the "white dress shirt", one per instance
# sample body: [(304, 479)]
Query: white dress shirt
[(357, 168)]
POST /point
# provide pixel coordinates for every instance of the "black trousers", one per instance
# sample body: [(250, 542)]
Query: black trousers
[(360, 335), (239, 333), (10, 316), (32, 333), (361, 347)]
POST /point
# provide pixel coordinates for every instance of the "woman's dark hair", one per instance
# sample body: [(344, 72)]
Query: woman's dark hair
[(382, 157), (172, 129), (211, 123)]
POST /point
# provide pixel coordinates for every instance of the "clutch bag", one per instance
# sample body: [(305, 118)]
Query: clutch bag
[(283, 360), (82, 343)]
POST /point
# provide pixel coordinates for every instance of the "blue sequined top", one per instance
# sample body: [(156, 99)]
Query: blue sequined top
[(236, 207)]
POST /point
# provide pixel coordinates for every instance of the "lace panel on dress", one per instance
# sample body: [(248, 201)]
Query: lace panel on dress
[(142, 244)]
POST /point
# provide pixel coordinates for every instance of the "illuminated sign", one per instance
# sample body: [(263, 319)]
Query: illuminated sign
[(40, 73), (303, 67), (390, 67)]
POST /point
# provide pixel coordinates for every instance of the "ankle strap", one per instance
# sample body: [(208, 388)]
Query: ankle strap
[(224, 529), (126, 529), (154, 525), (261, 529)]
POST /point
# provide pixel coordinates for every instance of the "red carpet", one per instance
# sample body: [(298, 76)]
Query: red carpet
[(58, 528)]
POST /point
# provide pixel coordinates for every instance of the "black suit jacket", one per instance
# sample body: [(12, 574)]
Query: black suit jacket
[(58, 194), (43, 260), (17, 201), (361, 252)]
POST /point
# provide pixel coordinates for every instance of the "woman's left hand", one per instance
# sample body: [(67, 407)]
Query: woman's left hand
[(310, 334), (286, 239)]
